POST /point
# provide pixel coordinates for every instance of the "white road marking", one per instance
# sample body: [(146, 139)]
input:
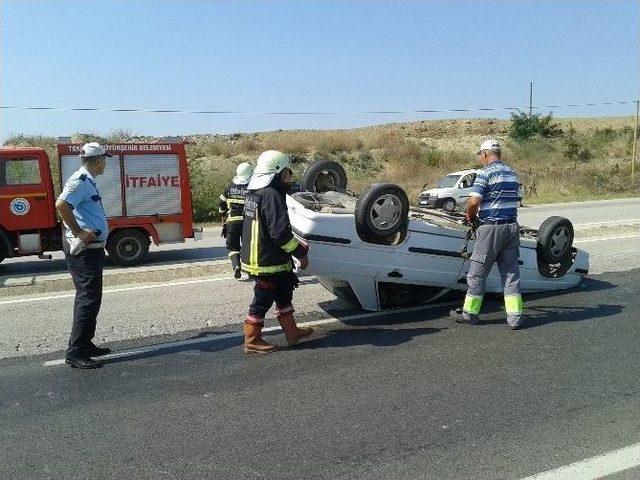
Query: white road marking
[(595, 467), (629, 220), (602, 239), (583, 202), (116, 290), (225, 336)]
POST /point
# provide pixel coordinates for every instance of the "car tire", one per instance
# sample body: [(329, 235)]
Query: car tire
[(555, 239), (324, 176), (449, 205), (128, 247), (382, 212)]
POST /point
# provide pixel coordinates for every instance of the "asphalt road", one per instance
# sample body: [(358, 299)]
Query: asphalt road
[(405, 395), (212, 246)]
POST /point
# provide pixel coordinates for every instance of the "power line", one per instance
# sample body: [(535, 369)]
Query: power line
[(293, 113)]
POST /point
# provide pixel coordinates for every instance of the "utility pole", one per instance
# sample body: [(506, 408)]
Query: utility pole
[(635, 141), (530, 98)]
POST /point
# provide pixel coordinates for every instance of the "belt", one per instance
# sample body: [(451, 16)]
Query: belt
[(96, 245), (497, 222)]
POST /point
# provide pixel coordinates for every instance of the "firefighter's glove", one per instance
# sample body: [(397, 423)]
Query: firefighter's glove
[(224, 231), (302, 263)]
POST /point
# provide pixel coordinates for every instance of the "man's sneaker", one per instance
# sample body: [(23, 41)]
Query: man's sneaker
[(517, 326), (237, 273), (84, 363), (461, 316)]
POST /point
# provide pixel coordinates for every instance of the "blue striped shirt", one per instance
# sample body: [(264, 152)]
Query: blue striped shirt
[(497, 185)]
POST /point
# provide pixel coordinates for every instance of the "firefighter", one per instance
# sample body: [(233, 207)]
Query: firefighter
[(493, 206), (232, 206), (268, 249)]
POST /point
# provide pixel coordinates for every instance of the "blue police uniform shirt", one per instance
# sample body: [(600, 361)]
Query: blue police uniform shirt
[(81, 192)]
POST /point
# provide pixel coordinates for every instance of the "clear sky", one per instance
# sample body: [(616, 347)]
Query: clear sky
[(307, 56)]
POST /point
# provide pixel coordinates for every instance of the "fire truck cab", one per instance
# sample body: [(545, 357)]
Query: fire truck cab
[(145, 190)]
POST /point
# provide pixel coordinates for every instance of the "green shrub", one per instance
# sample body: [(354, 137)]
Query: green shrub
[(524, 127), (432, 157)]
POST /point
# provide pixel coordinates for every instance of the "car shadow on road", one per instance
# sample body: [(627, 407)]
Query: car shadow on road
[(376, 337)]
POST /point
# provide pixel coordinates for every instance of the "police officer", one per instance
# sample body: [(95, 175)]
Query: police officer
[(268, 249), (80, 207), (232, 207), (493, 207)]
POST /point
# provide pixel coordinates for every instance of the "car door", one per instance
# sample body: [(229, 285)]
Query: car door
[(463, 188), (24, 198)]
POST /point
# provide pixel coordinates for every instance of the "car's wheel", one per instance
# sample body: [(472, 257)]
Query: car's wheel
[(555, 239), (449, 205), (381, 212), (324, 176), (127, 247)]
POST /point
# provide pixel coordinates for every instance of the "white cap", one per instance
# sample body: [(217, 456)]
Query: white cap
[(491, 145), (93, 149)]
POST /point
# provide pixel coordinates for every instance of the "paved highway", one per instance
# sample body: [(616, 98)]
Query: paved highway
[(407, 394), (404, 395)]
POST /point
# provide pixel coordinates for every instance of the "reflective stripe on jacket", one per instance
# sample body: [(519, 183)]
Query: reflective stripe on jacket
[(232, 202), (267, 240)]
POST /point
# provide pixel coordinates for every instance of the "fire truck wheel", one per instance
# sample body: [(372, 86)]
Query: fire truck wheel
[(127, 247)]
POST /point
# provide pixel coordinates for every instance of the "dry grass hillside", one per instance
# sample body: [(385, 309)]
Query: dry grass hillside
[(589, 159)]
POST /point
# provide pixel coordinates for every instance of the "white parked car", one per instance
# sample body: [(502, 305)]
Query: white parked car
[(377, 252), (451, 192)]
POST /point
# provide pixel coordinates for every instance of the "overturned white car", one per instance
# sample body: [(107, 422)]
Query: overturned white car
[(377, 252)]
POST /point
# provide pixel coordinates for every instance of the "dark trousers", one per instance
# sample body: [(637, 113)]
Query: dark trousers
[(86, 271), (273, 288), (234, 233)]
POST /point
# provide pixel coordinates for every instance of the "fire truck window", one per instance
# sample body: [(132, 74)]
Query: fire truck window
[(22, 172)]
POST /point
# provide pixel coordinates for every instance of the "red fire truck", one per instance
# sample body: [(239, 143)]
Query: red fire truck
[(145, 192)]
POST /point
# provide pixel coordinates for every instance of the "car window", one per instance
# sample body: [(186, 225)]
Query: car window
[(21, 172), (448, 181), (467, 180)]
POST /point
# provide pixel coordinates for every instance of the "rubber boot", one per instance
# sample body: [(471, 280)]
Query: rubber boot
[(235, 264), (253, 342), (292, 332)]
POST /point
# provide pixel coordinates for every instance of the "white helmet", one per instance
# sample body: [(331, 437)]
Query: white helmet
[(270, 163), (243, 174)]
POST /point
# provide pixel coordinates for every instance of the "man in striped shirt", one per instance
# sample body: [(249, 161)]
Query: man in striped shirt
[(494, 205)]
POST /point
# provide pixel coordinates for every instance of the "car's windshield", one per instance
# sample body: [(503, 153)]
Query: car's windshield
[(448, 181)]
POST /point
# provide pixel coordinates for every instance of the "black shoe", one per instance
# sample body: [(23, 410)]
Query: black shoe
[(237, 273), (95, 351), (459, 316), (84, 363)]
